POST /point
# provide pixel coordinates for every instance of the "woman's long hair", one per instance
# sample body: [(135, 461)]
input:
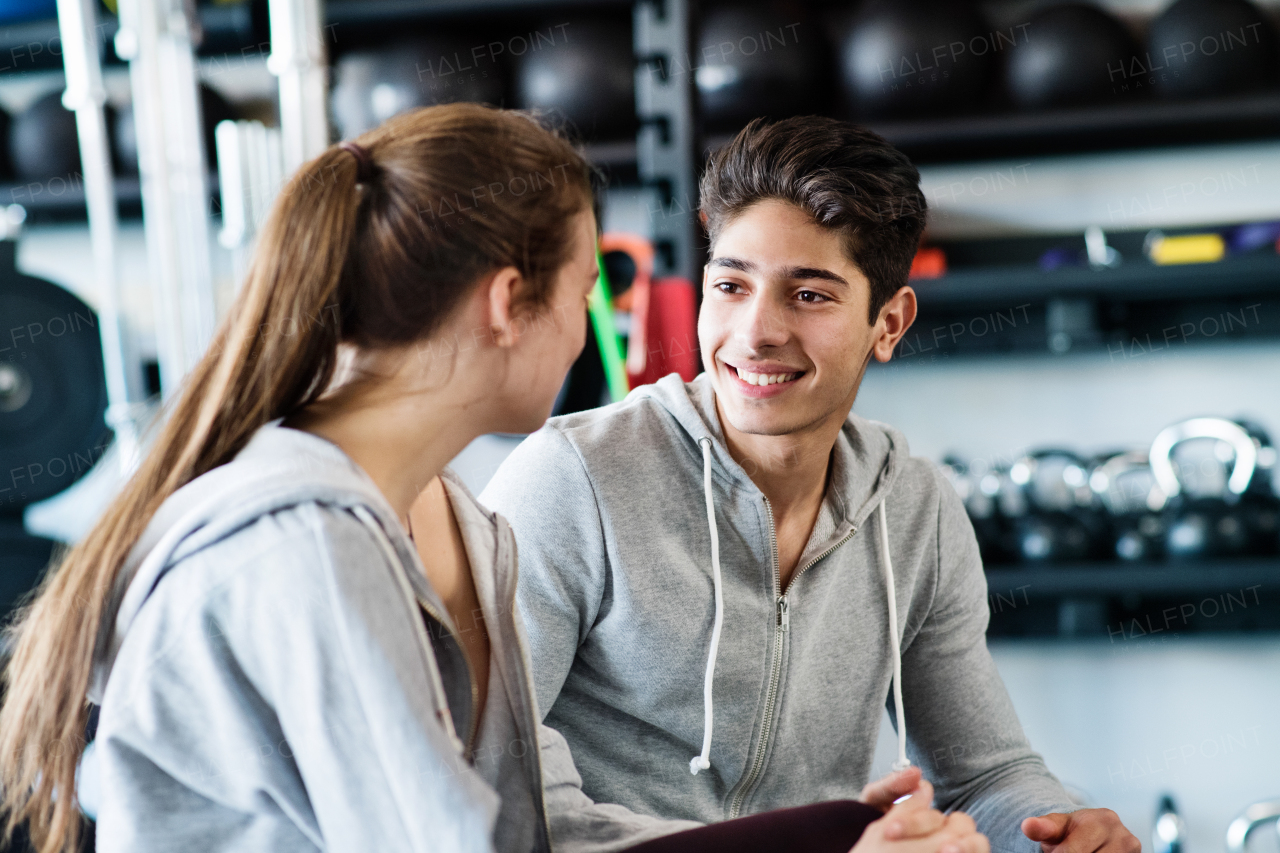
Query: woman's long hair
[(451, 192)]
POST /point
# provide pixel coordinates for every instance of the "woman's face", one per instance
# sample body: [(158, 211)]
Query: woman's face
[(550, 337)]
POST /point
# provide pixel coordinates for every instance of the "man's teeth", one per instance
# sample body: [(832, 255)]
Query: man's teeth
[(765, 378)]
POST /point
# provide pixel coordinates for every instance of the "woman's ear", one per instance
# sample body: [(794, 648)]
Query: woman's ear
[(502, 290), (895, 318)]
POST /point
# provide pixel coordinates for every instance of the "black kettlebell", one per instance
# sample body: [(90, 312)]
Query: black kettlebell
[(1134, 501), (980, 496), (1064, 520), (1260, 506), (1211, 521)]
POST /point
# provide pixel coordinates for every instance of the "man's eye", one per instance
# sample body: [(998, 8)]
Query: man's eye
[(726, 286), (810, 296)]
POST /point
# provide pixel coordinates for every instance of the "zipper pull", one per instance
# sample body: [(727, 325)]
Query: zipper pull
[(784, 615)]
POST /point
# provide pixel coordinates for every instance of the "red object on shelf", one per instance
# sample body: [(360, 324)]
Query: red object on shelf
[(929, 262), (671, 332)]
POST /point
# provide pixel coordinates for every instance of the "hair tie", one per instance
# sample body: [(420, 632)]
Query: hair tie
[(364, 165)]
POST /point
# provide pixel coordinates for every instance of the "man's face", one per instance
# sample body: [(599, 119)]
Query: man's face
[(783, 326)]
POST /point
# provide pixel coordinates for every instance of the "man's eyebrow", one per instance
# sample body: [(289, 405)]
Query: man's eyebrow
[(733, 264), (790, 272), (814, 272)]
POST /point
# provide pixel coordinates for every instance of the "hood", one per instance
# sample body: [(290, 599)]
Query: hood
[(866, 459), (278, 468)]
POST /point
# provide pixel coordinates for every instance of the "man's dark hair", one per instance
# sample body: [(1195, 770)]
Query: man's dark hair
[(847, 178)]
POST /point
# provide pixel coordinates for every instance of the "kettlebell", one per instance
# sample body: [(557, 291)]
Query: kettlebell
[(1134, 501), (980, 496), (1259, 504), (1211, 522), (1064, 520)]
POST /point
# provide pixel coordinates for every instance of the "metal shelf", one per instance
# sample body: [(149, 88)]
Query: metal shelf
[(1106, 579), (1134, 281), (1141, 124)]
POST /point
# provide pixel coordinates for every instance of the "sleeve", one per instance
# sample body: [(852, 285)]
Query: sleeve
[(579, 825), (961, 725), (293, 692), (543, 491)]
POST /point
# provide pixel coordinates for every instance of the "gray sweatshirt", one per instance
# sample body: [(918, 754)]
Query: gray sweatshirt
[(618, 589), (280, 676)]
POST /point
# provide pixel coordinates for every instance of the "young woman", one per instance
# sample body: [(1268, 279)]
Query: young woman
[(297, 622)]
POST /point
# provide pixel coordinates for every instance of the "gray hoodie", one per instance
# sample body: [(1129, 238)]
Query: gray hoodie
[(280, 676), (619, 590)]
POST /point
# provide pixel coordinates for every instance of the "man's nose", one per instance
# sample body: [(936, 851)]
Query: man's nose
[(763, 323)]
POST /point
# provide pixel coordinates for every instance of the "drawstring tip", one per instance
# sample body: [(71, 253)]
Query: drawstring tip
[(698, 763), (901, 764)]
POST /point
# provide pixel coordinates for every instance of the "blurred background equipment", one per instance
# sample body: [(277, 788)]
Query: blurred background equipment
[(1205, 507), (1256, 816), (1211, 48), (917, 59), (372, 85), (43, 142), (214, 108), (1169, 832), (1073, 57), (767, 59), (1063, 521), (1133, 499), (53, 398), (586, 76)]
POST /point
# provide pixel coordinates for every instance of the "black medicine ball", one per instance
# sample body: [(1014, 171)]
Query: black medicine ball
[(1075, 55), (918, 58), (1210, 48)]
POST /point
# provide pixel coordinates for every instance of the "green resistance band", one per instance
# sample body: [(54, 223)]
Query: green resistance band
[(615, 367)]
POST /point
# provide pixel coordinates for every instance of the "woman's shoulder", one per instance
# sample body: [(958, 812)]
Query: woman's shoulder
[(298, 543)]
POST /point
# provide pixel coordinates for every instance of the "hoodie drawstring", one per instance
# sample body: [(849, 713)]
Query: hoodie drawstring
[(903, 762), (703, 761)]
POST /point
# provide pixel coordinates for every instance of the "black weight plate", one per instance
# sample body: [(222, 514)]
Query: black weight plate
[(52, 387), (22, 563)]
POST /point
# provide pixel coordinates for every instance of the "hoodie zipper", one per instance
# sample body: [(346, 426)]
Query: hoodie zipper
[(782, 625)]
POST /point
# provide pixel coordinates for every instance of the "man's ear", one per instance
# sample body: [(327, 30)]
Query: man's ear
[(896, 317), (501, 291)]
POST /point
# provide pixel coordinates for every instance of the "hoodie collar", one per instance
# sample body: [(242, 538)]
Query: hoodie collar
[(278, 467), (865, 460)]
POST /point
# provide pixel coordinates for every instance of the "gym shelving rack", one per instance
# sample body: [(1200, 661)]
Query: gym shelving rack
[(1076, 599)]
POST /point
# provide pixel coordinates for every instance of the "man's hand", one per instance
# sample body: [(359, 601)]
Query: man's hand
[(1085, 831), (883, 792), (913, 827)]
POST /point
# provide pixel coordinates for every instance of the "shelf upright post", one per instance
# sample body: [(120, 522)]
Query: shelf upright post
[(298, 58), (86, 96), (158, 38), (667, 139)]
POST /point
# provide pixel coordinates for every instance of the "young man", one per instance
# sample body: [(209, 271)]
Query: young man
[(738, 565)]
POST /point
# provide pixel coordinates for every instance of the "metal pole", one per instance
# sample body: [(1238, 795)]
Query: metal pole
[(157, 37), (298, 59), (85, 94)]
